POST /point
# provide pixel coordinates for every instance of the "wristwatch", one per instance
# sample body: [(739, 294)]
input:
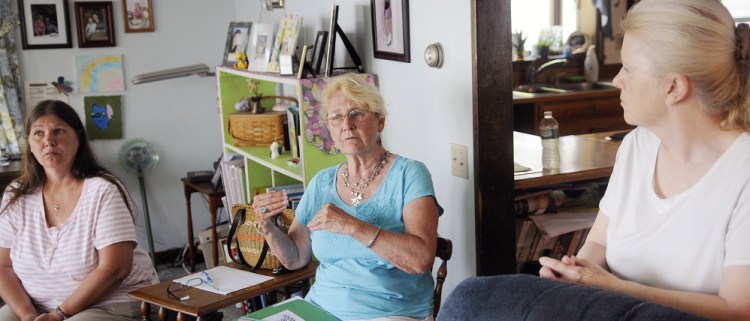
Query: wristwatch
[(64, 315)]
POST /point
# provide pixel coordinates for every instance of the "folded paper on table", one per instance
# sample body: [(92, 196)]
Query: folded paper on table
[(294, 309), (565, 221), (518, 168), (226, 279)]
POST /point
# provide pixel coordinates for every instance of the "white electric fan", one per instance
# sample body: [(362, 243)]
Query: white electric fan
[(138, 157)]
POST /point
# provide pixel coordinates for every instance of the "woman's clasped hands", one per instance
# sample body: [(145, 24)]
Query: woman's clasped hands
[(268, 205), (575, 270)]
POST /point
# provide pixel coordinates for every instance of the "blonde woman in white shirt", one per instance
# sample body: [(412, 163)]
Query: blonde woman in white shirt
[(674, 226), (68, 246)]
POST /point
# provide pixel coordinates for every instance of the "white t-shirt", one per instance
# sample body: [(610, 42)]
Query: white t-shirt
[(52, 262), (682, 242)]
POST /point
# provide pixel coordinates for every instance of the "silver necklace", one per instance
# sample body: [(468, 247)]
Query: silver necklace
[(356, 188)]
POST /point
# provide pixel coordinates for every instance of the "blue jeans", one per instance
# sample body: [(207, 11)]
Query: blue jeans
[(520, 297)]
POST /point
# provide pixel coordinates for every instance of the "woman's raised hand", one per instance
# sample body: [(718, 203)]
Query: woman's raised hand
[(268, 205)]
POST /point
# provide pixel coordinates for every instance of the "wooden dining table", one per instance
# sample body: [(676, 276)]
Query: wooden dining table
[(582, 157)]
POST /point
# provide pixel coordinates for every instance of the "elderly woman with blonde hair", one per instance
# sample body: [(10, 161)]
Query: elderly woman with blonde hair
[(370, 221)]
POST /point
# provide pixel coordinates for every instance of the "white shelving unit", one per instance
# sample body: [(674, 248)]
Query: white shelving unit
[(260, 170)]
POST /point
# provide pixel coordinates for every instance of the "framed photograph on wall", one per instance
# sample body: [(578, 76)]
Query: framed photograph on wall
[(95, 24), (390, 29), (44, 24), (238, 37), (138, 16)]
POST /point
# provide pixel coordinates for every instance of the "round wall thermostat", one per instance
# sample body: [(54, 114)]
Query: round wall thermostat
[(433, 55)]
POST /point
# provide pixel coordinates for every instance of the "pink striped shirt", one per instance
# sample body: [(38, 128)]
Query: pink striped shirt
[(52, 262)]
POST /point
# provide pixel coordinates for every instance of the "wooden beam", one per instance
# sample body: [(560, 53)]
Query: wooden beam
[(493, 137)]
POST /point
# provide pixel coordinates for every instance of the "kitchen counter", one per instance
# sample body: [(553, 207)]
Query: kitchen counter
[(530, 98)]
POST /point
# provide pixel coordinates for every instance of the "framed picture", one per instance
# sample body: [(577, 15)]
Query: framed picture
[(45, 24), (138, 15), (259, 50), (237, 40), (319, 49), (95, 24), (390, 29)]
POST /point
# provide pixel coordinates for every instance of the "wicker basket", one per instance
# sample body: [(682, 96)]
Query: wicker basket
[(263, 129)]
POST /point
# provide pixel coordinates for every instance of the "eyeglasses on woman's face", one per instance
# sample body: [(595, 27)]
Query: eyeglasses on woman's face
[(354, 115)]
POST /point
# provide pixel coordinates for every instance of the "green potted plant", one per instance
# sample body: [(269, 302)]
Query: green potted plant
[(519, 42), (542, 48), (548, 37), (253, 86)]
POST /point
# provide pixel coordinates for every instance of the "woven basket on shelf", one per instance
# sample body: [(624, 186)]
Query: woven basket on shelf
[(249, 129)]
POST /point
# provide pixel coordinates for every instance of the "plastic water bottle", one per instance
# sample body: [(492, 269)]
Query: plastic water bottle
[(591, 65), (550, 132)]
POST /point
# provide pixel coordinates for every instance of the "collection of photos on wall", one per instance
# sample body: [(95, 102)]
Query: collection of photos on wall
[(45, 24)]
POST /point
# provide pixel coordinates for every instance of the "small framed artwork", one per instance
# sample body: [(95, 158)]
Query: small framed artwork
[(103, 117), (95, 24), (238, 37), (44, 24), (259, 51), (138, 16), (390, 29), (319, 50)]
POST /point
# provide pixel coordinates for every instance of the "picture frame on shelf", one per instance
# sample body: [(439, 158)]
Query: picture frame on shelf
[(238, 37), (95, 24), (138, 16), (259, 51), (285, 43), (45, 24), (303, 64), (390, 29), (318, 51)]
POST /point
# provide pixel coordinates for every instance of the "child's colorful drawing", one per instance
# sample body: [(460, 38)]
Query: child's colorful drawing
[(97, 74)]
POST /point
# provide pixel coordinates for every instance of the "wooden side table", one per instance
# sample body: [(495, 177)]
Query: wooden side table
[(214, 203), (202, 302)]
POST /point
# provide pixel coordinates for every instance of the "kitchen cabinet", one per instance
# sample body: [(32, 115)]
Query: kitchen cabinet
[(577, 113)]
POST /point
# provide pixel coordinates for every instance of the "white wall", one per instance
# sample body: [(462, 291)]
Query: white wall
[(178, 116), (429, 108)]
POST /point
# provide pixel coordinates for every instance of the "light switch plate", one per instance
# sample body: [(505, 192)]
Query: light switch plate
[(460, 161)]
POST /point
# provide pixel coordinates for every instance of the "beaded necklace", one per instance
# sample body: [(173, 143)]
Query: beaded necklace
[(356, 188)]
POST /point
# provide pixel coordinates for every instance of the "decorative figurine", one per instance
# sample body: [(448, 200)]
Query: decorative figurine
[(63, 86), (241, 61), (275, 150)]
